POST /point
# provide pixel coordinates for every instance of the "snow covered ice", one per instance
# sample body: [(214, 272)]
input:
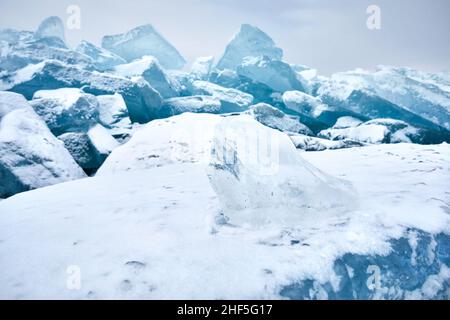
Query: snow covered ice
[(30, 156), (276, 119), (67, 109), (259, 177), (102, 59), (232, 100), (195, 104), (143, 102), (274, 73), (149, 68)]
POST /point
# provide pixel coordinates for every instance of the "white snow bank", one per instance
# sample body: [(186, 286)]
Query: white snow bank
[(151, 234)]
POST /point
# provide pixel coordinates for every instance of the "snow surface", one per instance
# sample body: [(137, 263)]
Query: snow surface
[(152, 234)]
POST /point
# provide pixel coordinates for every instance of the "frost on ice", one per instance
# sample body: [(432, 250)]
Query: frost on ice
[(30, 156)]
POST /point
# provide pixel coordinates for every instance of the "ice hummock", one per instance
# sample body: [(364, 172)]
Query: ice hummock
[(194, 104), (232, 100), (276, 74), (144, 41), (248, 42), (412, 94), (277, 119), (202, 67), (260, 178), (150, 69), (30, 155), (66, 109), (142, 101), (52, 27), (113, 114), (89, 149), (103, 59)]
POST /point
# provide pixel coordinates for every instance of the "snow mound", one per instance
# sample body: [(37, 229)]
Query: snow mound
[(144, 41), (30, 156), (153, 229), (260, 178), (181, 139), (51, 27), (249, 42)]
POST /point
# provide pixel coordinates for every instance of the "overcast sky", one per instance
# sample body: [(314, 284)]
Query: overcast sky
[(330, 35)]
